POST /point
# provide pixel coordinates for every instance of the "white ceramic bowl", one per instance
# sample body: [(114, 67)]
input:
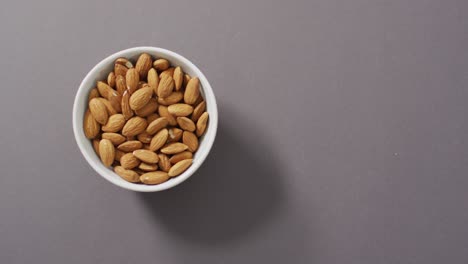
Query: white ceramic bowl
[(100, 72)]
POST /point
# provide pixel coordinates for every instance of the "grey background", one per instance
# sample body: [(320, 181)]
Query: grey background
[(343, 134)]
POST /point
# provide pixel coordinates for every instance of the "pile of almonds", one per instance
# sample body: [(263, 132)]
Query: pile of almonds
[(145, 120)]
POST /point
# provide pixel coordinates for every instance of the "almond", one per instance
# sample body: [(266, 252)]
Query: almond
[(145, 155), (134, 126), (98, 110), (129, 161), (156, 125), (132, 79), (186, 80), (174, 148), (155, 177), (198, 111), (106, 152), (161, 64), (152, 117), (178, 78), (145, 137), (192, 91), (199, 100), (120, 84), (118, 155), (104, 90), (165, 87), (115, 101), (110, 109), (128, 175), (159, 140), (201, 124), (148, 167), (163, 112), (191, 140), (153, 80), (111, 79), (142, 84), (143, 65), (179, 167), (180, 109), (173, 98), (186, 124), (140, 98), (164, 163), (96, 146), (114, 124), (169, 71), (115, 138), (93, 94), (175, 134), (125, 62), (120, 69), (148, 109), (130, 146), (126, 110), (90, 126), (181, 156)]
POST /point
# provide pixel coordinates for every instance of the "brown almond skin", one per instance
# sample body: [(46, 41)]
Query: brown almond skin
[(114, 124), (90, 126), (157, 125), (186, 80), (132, 78), (106, 152), (98, 110), (161, 64), (130, 145), (180, 109), (120, 84), (93, 94), (166, 86), (173, 98), (159, 140), (134, 126), (186, 124), (125, 62), (110, 109), (192, 91), (152, 117), (140, 98), (104, 89), (129, 161), (174, 148), (145, 155), (201, 124), (148, 167), (111, 79), (143, 65), (179, 167), (120, 69), (178, 78), (163, 112), (144, 137), (118, 155), (169, 72), (198, 111), (175, 134), (153, 80), (96, 146), (115, 138), (128, 175), (180, 156), (164, 163), (115, 101), (155, 177), (126, 110), (148, 109), (191, 140)]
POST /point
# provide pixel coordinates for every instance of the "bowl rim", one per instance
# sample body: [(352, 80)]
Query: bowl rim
[(106, 173)]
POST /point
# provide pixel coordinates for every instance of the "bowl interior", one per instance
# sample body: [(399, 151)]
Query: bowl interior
[(100, 72)]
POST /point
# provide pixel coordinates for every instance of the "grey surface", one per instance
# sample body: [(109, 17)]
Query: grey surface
[(343, 134)]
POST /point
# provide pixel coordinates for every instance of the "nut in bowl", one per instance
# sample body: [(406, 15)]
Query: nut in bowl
[(145, 118)]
